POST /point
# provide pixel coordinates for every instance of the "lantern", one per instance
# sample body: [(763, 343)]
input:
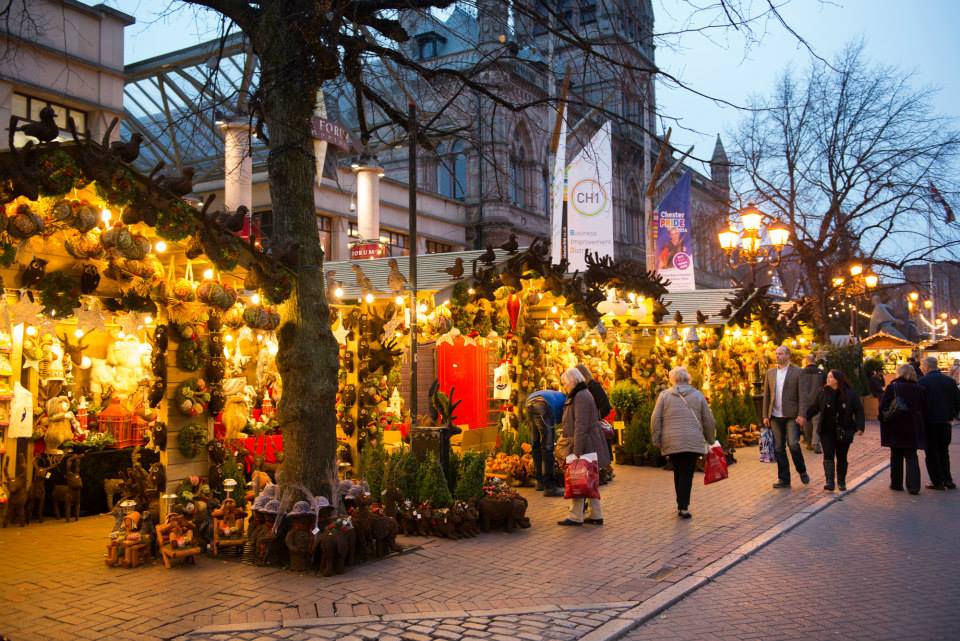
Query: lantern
[(513, 311)]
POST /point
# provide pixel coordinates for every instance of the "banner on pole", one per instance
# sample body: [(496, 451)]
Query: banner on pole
[(673, 237), (590, 201), (558, 196)]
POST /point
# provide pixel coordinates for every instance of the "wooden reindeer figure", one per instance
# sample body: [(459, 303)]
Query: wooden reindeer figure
[(69, 495), (81, 377), (16, 492), (37, 495)]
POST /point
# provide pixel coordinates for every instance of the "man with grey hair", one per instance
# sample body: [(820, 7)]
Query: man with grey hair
[(812, 380), (943, 405), (782, 413)]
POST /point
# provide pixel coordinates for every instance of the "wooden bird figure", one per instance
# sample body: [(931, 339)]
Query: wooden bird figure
[(127, 150), (701, 318), (233, 223), (395, 279), (678, 318), (332, 285), (180, 185), (34, 273), (364, 283), (488, 257), (511, 245), (45, 130), (456, 272)]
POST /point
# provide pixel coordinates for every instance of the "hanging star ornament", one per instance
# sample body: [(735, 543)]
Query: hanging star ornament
[(129, 322), (340, 333), (390, 328), (25, 311), (89, 320)]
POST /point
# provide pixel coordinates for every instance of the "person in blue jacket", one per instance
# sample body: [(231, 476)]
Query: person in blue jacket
[(545, 409)]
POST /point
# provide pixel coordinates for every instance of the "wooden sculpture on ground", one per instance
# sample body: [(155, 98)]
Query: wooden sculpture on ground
[(68, 495)]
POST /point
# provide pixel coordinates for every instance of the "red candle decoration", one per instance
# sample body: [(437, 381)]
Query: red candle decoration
[(513, 311)]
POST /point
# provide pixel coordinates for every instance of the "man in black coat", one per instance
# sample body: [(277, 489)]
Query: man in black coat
[(943, 405)]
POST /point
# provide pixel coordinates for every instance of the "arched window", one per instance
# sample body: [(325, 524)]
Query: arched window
[(452, 170), (515, 179)]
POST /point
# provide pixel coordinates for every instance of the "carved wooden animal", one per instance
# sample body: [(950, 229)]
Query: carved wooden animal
[(112, 488), (337, 549), (395, 279), (68, 495), (16, 494), (508, 513), (383, 533), (45, 130), (469, 526), (511, 245), (456, 272), (180, 185), (37, 496), (33, 274), (488, 257), (127, 150)]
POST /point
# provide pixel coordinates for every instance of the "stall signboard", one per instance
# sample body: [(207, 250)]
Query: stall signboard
[(366, 249), (331, 132), (589, 180), (673, 237)]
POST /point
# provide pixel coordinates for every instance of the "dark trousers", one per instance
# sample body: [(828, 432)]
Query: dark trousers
[(786, 433), (899, 456), (938, 452), (684, 463), (543, 444), (832, 447)]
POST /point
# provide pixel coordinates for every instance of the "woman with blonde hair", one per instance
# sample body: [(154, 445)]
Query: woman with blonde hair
[(682, 426), (581, 427), (902, 428)]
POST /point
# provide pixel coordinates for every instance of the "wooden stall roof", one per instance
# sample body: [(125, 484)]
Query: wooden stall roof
[(431, 276), (882, 340), (943, 345), (709, 302)]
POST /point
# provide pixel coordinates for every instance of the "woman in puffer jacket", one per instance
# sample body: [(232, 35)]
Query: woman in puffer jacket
[(682, 425)]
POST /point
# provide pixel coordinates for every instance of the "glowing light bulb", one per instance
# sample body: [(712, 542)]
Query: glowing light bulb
[(422, 308), (78, 333), (228, 338), (121, 334), (31, 330), (471, 291), (368, 298), (272, 348), (554, 309), (255, 299), (105, 215), (148, 320), (160, 247), (208, 274), (85, 362), (338, 292), (571, 322)]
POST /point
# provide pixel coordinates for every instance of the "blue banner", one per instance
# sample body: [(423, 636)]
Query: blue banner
[(673, 240)]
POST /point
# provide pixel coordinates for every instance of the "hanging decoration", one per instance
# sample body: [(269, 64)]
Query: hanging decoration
[(25, 310), (60, 293), (513, 311), (192, 397), (191, 440)]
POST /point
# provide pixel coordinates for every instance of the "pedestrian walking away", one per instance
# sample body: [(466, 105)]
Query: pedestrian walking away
[(545, 409), (902, 408), (781, 412), (841, 415), (943, 405), (582, 435), (811, 382), (682, 426)]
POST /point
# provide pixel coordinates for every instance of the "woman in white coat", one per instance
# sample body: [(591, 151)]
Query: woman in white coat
[(682, 425)]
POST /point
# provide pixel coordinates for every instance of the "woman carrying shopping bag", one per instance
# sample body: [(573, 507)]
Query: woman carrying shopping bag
[(581, 429), (682, 425)]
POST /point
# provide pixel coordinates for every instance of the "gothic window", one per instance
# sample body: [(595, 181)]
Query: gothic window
[(452, 170), (428, 45), (516, 187)]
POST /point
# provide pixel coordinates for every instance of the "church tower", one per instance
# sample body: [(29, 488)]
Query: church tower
[(720, 166)]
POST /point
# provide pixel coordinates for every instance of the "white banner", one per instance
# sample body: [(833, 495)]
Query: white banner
[(590, 200), (558, 194)]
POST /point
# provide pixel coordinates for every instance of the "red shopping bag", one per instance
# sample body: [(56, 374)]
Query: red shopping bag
[(715, 464), (581, 480)]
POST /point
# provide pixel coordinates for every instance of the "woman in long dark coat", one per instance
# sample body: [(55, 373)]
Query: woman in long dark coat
[(841, 415), (903, 431)]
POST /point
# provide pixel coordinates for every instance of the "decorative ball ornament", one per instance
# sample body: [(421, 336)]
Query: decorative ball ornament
[(513, 311)]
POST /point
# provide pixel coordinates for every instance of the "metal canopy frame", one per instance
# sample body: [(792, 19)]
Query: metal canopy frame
[(176, 100)]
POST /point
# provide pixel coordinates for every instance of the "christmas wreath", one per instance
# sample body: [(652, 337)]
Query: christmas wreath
[(176, 222), (60, 174), (191, 440), (60, 293), (120, 189), (192, 354), (193, 395)]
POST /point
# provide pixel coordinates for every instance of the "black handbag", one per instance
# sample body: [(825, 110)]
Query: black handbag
[(898, 408)]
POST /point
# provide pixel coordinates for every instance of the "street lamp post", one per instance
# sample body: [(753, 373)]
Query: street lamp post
[(860, 281), (746, 247)]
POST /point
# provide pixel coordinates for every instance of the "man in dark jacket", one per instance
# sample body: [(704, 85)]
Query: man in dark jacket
[(545, 409), (943, 405), (812, 380)]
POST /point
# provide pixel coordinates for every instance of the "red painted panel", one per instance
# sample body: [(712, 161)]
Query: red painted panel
[(464, 367)]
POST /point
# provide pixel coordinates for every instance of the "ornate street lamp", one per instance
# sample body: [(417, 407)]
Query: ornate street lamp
[(860, 281), (746, 247)]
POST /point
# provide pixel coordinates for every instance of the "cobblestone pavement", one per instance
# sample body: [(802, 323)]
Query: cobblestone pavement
[(55, 584), (878, 566), (545, 625)]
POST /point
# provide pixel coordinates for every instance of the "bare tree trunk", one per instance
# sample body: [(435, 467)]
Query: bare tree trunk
[(821, 318), (307, 357)]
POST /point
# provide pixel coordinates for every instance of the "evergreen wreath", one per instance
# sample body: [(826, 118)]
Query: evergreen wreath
[(192, 354), (191, 439), (192, 397), (60, 174), (60, 293)]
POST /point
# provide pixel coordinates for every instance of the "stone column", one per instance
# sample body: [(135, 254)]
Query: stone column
[(238, 165), (368, 200)]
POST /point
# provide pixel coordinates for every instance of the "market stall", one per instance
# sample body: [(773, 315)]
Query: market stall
[(946, 350), (889, 350)]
